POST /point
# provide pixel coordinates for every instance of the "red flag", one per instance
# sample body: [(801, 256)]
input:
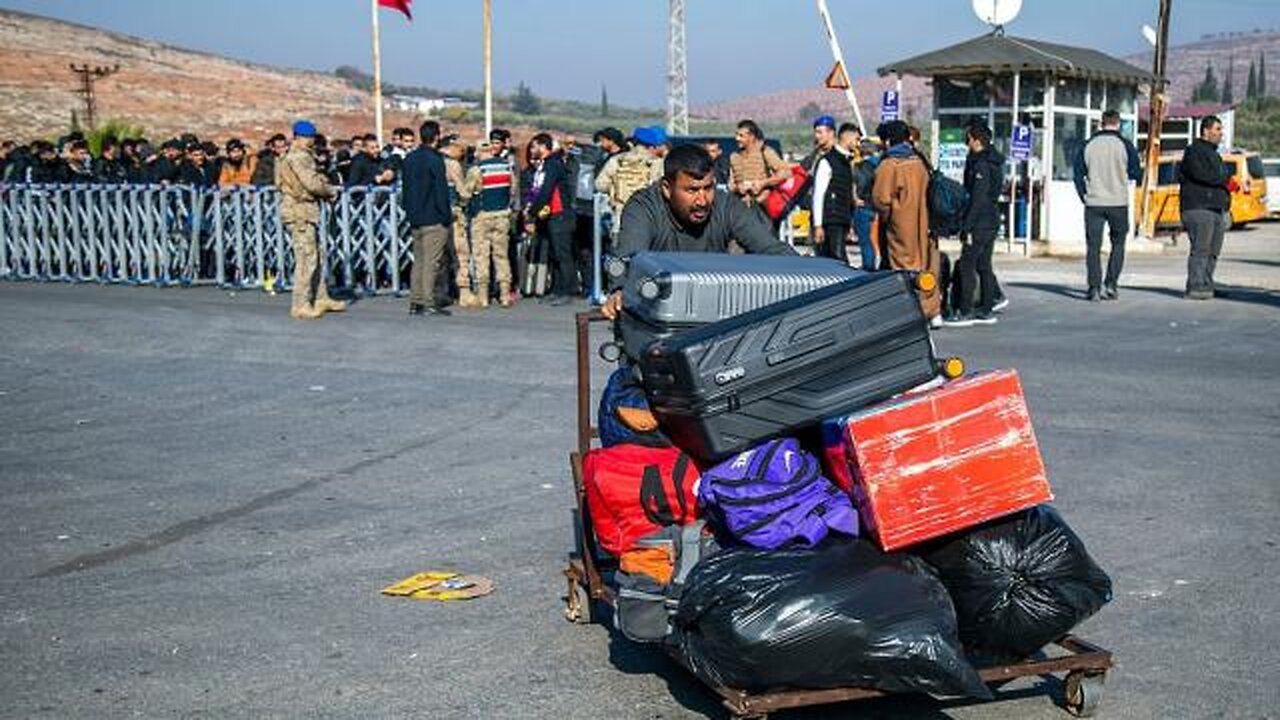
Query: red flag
[(401, 5)]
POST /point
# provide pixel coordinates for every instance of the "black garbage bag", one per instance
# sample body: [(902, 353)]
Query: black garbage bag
[(1018, 583), (841, 614)]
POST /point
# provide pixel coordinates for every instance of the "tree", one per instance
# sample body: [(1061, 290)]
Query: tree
[(1227, 82), (1262, 75), (1207, 90), (118, 129), (604, 101), (808, 112), (1251, 88), (525, 102)]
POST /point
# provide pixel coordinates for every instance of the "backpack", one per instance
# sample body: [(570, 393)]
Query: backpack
[(948, 202), (632, 176), (624, 415), (774, 495), (652, 576), (633, 491)]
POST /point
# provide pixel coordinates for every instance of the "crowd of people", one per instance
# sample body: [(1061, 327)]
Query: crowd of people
[(472, 208)]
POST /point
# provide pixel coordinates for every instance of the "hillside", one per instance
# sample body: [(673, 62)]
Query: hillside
[(1186, 62)]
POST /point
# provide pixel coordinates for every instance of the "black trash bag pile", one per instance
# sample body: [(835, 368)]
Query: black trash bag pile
[(1018, 583), (841, 614)]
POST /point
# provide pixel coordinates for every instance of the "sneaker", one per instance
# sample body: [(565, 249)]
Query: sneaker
[(1199, 295), (935, 322), (416, 309), (438, 311), (1109, 292), (560, 300), (1095, 295), (985, 319), (957, 320), (1000, 305)]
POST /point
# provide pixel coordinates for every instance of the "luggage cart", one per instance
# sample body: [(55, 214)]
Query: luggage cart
[(1083, 664)]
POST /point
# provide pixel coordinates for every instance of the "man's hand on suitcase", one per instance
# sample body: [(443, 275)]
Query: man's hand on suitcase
[(612, 305)]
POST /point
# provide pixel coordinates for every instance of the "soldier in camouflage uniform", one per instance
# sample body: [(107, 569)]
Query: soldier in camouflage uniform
[(459, 197), (301, 190), (492, 181), (626, 173)]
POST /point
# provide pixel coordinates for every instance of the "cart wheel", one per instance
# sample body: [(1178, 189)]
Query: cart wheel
[(578, 608), (1084, 692)]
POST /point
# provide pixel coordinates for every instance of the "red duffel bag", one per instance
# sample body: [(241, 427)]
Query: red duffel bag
[(778, 202), (634, 491)]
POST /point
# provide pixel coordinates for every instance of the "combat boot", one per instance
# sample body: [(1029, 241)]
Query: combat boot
[(305, 312), (330, 305), (467, 299), (505, 299), (482, 297)]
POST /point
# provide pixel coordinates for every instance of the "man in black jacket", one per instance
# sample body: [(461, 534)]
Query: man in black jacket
[(832, 191), (983, 179), (685, 212), (425, 197), (1205, 203), (553, 215), (108, 168)]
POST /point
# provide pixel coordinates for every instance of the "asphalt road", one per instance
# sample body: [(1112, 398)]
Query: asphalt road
[(201, 500)]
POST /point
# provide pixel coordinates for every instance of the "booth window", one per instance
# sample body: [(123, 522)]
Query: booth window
[(959, 93), (1070, 131), (1072, 92)]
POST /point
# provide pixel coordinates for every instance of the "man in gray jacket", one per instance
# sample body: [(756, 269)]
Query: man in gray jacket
[(1103, 169), (684, 212)]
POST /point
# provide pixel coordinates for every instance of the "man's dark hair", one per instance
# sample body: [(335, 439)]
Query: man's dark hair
[(278, 137), (543, 139), (894, 132), (79, 145), (751, 127), (1111, 117), (979, 131), (371, 138), (1209, 121), (429, 132), (234, 144), (692, 160), (357, 139), (109, 142), (499, 135), (848, 127), (402, 132)]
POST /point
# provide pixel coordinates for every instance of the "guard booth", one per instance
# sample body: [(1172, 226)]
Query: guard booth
[(1058, 91)]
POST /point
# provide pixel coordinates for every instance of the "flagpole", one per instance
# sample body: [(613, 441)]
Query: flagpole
[(377, 72), (488, 67)]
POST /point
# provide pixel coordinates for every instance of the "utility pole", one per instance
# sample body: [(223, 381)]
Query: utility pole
[(677, 75), (88, 76), (488, 68), (377, 72), (1155, 123)]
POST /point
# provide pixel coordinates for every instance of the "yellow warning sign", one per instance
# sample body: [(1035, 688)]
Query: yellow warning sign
[(837, 79)]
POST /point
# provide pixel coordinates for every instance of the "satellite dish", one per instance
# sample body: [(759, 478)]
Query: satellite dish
[(996, 12)]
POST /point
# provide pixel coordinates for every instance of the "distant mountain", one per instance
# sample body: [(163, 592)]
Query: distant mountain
[(1186, 64)]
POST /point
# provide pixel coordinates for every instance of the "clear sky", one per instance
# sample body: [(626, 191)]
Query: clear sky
[(569, 48)]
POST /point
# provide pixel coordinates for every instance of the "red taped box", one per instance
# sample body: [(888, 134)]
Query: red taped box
[(940, 460)]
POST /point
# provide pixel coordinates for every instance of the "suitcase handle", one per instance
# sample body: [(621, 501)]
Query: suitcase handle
[(792, 352)]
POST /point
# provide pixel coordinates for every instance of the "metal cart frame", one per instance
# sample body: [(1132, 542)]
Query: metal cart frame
[(1085, 665)]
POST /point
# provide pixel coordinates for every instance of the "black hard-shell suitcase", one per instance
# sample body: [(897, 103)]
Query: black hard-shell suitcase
[(727, 386), (667, 292)]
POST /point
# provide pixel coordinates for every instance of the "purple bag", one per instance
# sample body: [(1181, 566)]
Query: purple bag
[(773, 495)]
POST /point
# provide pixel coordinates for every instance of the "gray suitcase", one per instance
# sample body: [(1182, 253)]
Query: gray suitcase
[(664, 293)]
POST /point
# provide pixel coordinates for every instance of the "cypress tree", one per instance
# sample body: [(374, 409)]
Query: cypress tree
[(1227, 82), (604, 101), (1262, 76), (1251, 87)]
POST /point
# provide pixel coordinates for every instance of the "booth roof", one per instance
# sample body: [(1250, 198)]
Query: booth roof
[(999, 53)]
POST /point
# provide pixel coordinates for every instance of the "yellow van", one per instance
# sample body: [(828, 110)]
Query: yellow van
[(1248, 203)]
